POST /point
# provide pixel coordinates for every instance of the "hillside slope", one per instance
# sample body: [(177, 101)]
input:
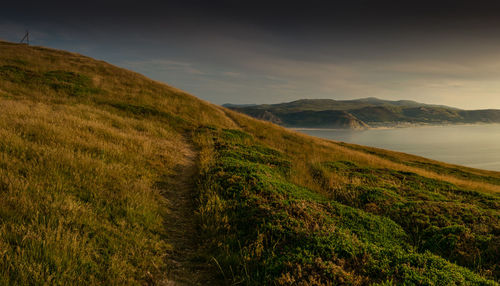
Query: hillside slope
[(97, 164), (362, 113)]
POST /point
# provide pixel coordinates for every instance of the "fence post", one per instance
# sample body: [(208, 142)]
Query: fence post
[(26, 37)]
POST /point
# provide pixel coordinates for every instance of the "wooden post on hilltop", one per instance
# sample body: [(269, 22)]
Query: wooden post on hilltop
[(26, 37)]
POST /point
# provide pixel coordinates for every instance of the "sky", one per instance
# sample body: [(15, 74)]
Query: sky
[(439, 52)]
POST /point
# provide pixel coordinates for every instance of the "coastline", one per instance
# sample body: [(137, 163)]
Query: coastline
[(395, 126), (471, 145)]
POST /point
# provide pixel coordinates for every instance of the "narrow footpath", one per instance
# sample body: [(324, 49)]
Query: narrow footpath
[(186, 267)]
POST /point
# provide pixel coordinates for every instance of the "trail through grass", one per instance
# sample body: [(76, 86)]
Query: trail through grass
[(110, 178), (186, 267)]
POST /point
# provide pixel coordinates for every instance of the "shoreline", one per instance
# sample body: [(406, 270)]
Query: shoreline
[(397, 126)]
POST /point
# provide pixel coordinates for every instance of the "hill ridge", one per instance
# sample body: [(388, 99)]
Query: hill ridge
[(364, 113), (97, 161)]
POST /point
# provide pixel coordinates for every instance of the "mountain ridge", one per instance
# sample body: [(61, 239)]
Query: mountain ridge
[(364, 113)]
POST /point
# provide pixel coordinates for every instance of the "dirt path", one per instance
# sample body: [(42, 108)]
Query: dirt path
[(186, 267)]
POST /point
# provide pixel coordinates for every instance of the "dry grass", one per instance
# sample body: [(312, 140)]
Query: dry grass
[(84, 147), (76, 182), (260, 227), (81, 176), (305, 150)]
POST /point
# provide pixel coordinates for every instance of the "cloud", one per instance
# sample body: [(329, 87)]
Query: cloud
[(232, 74), (241, 63), (162, 65)]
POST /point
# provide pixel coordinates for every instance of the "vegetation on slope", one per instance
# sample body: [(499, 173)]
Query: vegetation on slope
[(90, 153), (385, 226), (85, 150), (361, 113)]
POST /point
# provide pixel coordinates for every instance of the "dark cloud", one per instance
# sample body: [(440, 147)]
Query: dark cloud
[(271, 51), (272, 14)]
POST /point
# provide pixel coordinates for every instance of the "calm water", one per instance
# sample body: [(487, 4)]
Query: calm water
[(475, 146)]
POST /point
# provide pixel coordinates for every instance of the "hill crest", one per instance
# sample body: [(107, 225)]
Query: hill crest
[(364, 113), (108, 177)]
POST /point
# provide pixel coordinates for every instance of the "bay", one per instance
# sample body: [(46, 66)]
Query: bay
[(476, 146)]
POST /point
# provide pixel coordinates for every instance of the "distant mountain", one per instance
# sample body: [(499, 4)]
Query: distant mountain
[(363, 113), (229, 105)]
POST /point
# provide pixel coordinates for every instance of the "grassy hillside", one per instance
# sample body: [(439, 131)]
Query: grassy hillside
[(321, 113), (91, 157)]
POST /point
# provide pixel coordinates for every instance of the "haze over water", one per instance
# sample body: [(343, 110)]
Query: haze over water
[(476, 146)]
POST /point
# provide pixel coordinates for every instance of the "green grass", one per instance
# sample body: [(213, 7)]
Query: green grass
[(454, 223), (62, 82), (87, 151), (265, 229)]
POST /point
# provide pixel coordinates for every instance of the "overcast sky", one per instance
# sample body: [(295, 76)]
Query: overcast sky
[(442, 52)]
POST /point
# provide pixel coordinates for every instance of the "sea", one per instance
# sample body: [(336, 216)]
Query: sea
[(476, 146)]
